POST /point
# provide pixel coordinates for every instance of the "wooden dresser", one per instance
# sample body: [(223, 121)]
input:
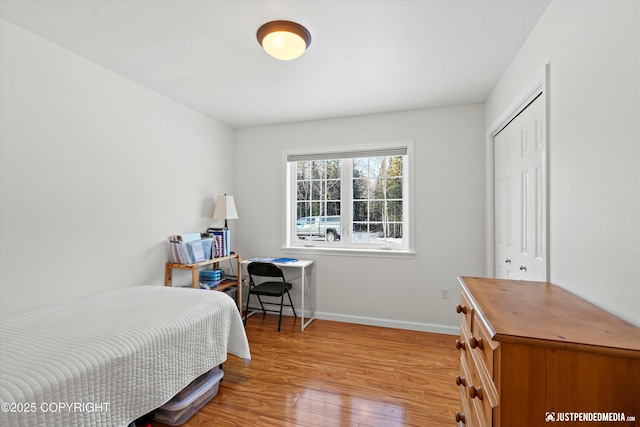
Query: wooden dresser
[(532, 353)]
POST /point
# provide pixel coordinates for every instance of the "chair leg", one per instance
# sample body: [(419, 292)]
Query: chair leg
[(280, 318), (246, 311), (292, 307), (261, 305)]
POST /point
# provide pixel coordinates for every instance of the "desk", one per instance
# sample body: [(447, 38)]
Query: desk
[(307, 271), (195, 279)]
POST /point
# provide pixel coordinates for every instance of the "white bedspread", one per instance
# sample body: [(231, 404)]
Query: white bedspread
[(109, 359)]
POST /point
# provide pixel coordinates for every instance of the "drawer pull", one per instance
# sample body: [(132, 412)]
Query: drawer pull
[(475, 392), (460, 345), (461, 309), (476, 342), (523, 268), (461, 380), (461, 418)]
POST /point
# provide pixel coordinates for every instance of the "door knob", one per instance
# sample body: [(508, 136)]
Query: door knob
[(523, 268)]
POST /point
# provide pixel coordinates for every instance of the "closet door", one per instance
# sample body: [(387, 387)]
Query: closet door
[(520, 195)]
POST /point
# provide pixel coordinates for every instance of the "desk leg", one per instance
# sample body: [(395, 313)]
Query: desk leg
[(302, 309), (239, 286), (312, 295)]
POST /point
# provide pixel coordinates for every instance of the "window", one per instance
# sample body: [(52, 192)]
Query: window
[(350, 198)]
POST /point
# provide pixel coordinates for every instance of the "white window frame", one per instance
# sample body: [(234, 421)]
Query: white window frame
[(290, 244)]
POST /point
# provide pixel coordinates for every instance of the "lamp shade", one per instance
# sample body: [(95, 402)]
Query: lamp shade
[(225, 208), (284, 40)]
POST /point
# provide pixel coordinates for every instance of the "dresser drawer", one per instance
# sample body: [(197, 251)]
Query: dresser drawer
[(466, 417), (465, 308), (481, 343), (481, 396), (481, 392)]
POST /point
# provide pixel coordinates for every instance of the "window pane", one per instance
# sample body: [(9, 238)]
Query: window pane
[(395, 166), (394, 188), (303, 190), (394, 211), (303, 170), (360, 232), (304, 210), (376, 166), (376, 211), (333, 169), (333, 208), (377, 186), (360, 189), (395, 231), (333, 190), (317, 169), (376, 230), (377, 199), (360, 168), (315, 208), (318, 195), (360, 211), (316, 190)]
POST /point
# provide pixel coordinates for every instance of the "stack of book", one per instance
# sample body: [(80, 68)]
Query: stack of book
[(220, 241), (190, 248)]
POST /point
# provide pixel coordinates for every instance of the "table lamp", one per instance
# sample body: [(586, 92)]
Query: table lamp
[(225, 209)]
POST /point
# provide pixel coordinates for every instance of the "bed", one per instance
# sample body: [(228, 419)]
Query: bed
[(108, 359)]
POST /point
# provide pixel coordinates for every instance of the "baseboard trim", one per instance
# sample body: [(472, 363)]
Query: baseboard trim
[(374, 321), (386, 323)]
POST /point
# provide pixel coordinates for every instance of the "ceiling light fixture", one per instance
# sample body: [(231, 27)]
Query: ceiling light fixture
[(284, 40)]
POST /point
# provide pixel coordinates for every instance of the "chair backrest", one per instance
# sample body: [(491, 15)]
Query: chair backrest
[(265, 269)]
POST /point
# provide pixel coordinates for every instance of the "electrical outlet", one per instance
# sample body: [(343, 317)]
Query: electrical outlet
[(445, 293)]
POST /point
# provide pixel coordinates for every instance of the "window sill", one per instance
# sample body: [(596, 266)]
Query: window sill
[(373, 253)]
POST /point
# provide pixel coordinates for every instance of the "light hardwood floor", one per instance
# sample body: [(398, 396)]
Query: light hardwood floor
[(336, 374)]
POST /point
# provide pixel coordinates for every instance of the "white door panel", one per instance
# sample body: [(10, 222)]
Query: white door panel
[(520, 194)]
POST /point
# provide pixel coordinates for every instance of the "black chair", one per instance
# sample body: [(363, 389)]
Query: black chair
[(267, 279)]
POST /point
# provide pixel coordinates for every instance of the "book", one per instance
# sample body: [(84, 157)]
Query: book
[(261, 259), (284, 260), (196, 251), (222, 237)]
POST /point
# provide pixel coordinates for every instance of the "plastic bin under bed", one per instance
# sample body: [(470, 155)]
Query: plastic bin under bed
[(189, 401)]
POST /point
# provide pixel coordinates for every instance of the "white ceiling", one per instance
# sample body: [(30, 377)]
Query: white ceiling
[(365, 56)]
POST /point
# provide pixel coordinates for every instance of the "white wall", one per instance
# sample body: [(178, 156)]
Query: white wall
[(593, 48), (449, 207), (96, 172)]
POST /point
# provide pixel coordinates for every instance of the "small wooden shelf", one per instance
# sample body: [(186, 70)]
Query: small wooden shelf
[(195, 279)]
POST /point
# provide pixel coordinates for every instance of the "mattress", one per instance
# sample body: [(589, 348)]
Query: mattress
[(111, 358)]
